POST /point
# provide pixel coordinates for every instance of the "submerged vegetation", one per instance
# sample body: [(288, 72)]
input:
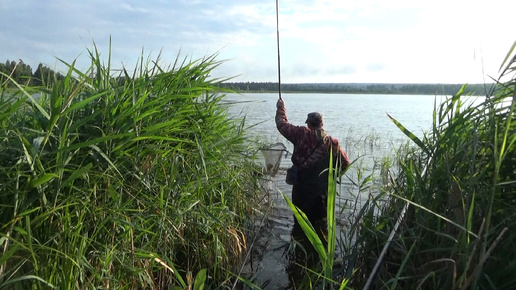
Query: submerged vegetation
[(130, 181)]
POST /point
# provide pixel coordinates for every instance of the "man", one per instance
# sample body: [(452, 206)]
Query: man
[(311, 155)]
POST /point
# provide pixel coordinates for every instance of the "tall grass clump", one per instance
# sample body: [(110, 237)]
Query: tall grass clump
[(449, 222), (122, 180)]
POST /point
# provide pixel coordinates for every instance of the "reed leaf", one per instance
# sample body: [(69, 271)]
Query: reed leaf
[(409, 134), (308, 229)]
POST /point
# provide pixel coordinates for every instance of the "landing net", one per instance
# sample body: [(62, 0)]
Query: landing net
[(273, 155)]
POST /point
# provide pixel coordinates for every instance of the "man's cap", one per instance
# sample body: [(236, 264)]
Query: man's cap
[(314, 118)]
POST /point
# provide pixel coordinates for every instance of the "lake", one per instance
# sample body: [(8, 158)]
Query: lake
[(351, 118)]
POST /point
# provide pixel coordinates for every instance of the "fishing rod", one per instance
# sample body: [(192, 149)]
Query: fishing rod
[(277, 41)]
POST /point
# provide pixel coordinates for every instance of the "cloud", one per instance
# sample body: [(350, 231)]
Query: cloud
[(321, 40)]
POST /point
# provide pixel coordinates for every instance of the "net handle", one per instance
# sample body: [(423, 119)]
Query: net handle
[(278, 44)]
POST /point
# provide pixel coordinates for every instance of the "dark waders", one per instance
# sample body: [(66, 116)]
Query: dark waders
[(310, 196)]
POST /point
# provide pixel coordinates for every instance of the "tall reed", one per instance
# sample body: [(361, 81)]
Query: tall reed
[(455, 198), (122, 180)]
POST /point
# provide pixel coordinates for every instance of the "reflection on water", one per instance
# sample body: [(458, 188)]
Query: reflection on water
[(269, 260)]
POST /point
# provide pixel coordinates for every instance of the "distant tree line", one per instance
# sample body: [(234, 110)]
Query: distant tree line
[(358, 88), (22, 74)]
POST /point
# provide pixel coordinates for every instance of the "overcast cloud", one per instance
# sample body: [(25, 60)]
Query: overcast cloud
[(402, 41)]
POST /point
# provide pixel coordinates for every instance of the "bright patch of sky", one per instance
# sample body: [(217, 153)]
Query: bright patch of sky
[(397, 41)]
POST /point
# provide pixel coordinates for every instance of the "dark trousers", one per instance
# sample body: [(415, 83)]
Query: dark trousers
[(312, 200)]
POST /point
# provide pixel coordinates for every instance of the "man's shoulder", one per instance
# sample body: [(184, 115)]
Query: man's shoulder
[(332, 139)]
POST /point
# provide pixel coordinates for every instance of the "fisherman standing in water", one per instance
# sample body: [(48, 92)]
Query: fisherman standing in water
[(312, 157)]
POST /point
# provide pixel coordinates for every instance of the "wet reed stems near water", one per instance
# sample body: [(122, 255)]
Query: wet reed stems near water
[(119, 179)]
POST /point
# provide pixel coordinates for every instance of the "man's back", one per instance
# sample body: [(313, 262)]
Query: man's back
[(305, 141)]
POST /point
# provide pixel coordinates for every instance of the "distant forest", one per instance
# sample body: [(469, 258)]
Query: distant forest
[(23, 74), (358, 88)]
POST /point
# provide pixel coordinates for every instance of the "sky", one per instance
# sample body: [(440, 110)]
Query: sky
[(321, 41)]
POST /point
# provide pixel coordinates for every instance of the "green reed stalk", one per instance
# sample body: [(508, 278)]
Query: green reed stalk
[(123, 180), (459, 184)]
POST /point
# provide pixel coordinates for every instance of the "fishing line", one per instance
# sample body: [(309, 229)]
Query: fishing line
[(277, 41)]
